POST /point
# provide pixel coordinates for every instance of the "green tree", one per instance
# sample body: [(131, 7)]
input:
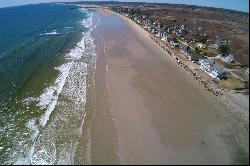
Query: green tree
[(197, 50), (224, 48), (175, 40), (202, 39)]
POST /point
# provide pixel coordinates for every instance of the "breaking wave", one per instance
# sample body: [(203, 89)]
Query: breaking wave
[(55, 135), (50, 33)]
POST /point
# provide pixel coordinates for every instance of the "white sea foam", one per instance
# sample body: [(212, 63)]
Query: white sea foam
[(50, 33), (33, 127), (29, 100), (50, 96), (88, 22), (45, 155), (76, 53), (70, 83)]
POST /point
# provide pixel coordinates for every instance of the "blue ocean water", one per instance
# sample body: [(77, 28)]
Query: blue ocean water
[(23, 48), (45, 51)]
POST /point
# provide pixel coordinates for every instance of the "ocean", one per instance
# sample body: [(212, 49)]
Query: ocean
[(47, 55)]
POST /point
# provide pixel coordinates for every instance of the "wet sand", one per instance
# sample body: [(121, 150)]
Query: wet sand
[(150, 111)]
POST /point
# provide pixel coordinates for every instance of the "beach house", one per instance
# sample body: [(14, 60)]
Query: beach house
[(174, 44), (212, 69), (193, 57), (221, 41), (166, 38), (227, 58)]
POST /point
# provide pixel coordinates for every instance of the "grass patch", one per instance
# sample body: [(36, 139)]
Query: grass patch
[(232, 83), (235, 65), (241, 158)]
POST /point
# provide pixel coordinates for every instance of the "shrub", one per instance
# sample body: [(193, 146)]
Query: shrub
[(224, 49)]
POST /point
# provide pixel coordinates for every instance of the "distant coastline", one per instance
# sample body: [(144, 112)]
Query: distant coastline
[(119, 2)]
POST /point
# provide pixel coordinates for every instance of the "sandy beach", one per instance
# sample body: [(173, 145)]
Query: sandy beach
[(149, 111)]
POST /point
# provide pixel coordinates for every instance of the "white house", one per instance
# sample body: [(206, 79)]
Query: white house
[(205, 65), (229, 58), (159, 34), (164, 39), (212, 69), (221, 41), (218, 71), (174, 45)]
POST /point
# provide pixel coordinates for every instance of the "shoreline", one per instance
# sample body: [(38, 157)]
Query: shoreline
[(143, 110), (102, 118), (83, 151)]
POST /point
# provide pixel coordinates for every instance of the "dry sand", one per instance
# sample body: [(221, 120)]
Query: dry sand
[(150, 111)]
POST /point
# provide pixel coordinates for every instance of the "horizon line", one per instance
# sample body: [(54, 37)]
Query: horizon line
[(113, 1)]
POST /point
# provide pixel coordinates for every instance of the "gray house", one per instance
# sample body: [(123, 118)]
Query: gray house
[(190, 55), (193, 57), (229, 58)]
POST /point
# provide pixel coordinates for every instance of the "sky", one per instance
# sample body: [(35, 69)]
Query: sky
[(240, 5)]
